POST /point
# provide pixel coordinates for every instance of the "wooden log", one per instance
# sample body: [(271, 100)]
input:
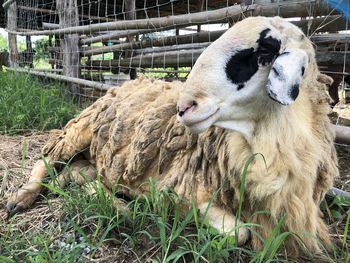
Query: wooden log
[(29, 57), (116, 35), (293, 8), (38, 10), (187, 58), (164, 71), (330, 38), (130, 15), (68, 16), (334, 192), (333, 58), (7, 3), (50, 70), (78, 81), (12, 38), (122, 33), (342, 134), (333, 72), (50, 25), (172, 48), (332, 22), (165, 41), (54, 12), (89, 67)]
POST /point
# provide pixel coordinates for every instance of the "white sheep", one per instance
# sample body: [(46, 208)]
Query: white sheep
[(256, 89)]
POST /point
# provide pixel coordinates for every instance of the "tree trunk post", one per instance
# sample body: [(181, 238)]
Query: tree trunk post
[(130, 15), (69, 17), (29, 53), (12, 38)]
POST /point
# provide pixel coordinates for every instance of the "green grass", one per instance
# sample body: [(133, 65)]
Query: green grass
[(41, 64), (28, 104), (84, 225), (153, 230)]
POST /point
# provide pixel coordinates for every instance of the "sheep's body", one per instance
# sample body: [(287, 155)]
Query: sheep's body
[(132, 134)]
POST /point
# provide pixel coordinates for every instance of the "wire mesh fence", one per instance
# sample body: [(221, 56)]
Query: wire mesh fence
[(95, 44)]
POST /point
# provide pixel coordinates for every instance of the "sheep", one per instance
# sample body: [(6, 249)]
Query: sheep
[(256, 89)]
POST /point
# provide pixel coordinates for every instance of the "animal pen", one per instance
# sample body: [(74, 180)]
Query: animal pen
[(95, 44), (92, 45)]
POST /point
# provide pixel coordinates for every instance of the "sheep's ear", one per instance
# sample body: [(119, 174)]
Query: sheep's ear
[(286, 75)]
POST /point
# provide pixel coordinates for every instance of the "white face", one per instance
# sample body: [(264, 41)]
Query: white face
[(237, 75)]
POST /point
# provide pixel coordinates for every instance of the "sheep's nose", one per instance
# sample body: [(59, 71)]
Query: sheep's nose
[(183, 107)]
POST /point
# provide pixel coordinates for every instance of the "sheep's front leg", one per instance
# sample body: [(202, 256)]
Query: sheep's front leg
[(80, 172), (83, 173), (91, 189), (27, 194), (224, 221)]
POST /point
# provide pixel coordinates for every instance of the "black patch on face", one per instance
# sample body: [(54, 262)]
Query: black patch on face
[(268, 47), (302, 71), (242, 66), (294, 92), (245, 63), (240, 86)]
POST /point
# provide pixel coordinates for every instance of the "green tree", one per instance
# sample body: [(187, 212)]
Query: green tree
[(3, 43)]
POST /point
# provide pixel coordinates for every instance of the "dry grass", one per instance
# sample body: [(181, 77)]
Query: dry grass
[(47, 220)]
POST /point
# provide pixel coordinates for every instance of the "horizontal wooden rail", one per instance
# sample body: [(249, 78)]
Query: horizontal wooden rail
[(83, 82), (330, 23), (267, 8)]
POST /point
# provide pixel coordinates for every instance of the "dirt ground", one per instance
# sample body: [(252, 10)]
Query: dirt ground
[(19, 153)]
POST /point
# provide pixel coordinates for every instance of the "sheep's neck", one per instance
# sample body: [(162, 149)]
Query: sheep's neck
[(244, 127)]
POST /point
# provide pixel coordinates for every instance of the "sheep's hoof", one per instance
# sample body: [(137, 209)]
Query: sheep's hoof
[(19, 201), (243, 235), (13, 208)]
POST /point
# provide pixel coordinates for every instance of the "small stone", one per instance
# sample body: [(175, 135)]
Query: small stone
[(86, 250)]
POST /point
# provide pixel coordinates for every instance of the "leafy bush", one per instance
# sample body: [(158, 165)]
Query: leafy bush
[(27, 104), (3, 43), (41, 49)]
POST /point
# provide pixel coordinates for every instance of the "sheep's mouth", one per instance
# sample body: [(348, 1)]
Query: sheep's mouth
[(206, 121)]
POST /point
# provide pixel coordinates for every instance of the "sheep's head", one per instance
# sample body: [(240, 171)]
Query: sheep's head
[(258, 62)]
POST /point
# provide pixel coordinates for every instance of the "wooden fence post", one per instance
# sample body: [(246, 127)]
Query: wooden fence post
[(130, 8), (12, 38), (68, 16)]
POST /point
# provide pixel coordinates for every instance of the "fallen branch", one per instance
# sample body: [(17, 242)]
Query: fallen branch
[(333, 192), (342, 134)]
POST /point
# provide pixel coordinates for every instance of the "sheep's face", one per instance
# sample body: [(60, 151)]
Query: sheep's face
[(258, 61)]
